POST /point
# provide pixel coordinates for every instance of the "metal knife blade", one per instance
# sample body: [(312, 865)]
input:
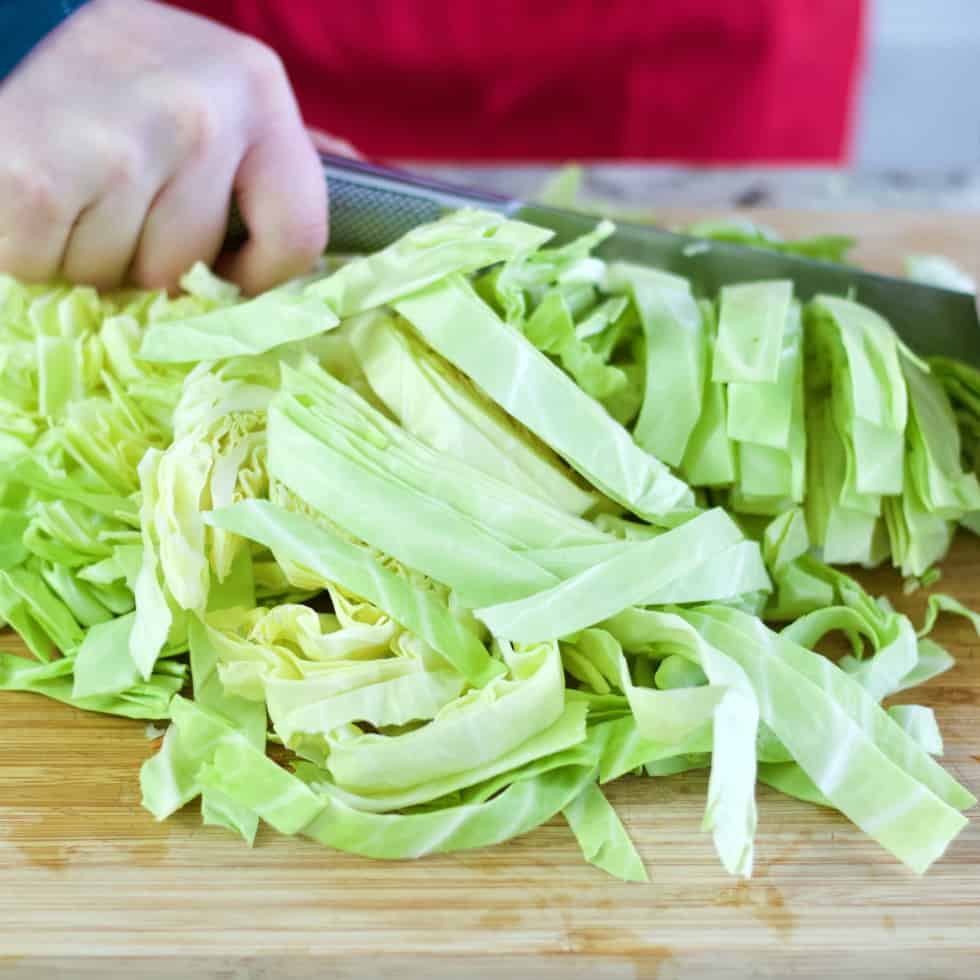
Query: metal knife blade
[(930, 320), (371, 206)]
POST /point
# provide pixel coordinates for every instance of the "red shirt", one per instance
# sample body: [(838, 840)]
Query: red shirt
[(690, 80)]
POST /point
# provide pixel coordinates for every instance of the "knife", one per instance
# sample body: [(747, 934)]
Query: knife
[(372, 206)]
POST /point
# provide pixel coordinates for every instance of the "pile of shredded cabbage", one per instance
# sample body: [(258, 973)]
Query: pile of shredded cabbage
[(472, 526)]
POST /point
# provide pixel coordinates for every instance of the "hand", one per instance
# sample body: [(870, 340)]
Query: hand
[(122, 138), (325, 143)]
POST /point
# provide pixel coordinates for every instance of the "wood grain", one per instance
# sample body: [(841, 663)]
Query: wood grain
[(91, 886)]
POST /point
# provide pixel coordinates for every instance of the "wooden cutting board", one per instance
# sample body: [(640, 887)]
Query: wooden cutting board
[(90, 886)]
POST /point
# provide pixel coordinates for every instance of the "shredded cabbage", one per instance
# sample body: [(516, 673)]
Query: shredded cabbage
[(472, 526)]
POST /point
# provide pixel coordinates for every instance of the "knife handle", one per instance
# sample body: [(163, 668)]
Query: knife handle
[(372, 206)]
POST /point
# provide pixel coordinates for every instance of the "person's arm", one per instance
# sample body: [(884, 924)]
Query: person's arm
[(23, 25), (124, 133)]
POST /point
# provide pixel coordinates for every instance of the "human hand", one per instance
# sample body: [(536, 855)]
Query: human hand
[(325, 143), (122, 138)]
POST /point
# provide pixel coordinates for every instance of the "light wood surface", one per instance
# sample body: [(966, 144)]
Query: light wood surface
[(91, 886)]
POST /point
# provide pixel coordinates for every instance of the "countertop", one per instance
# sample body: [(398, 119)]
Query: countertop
[(94, 889), (817, 188)]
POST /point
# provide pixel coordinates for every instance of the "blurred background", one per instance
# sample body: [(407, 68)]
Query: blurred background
[(885, 84), (749, 102), (918, 97)]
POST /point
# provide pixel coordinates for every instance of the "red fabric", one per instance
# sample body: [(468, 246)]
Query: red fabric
[(691, 80)]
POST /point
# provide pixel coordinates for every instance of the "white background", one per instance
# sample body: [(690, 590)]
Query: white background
[(919, 104)]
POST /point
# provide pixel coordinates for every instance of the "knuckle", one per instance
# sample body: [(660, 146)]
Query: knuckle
[(147, 278), (33, 192), (125, 165), (306, 236), (147, 273), (11, 262), (263, 67), (101, 277), (192, 120), (22, 259)]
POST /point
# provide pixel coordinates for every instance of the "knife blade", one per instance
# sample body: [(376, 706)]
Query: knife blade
[(932, 321), (372, 206)]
